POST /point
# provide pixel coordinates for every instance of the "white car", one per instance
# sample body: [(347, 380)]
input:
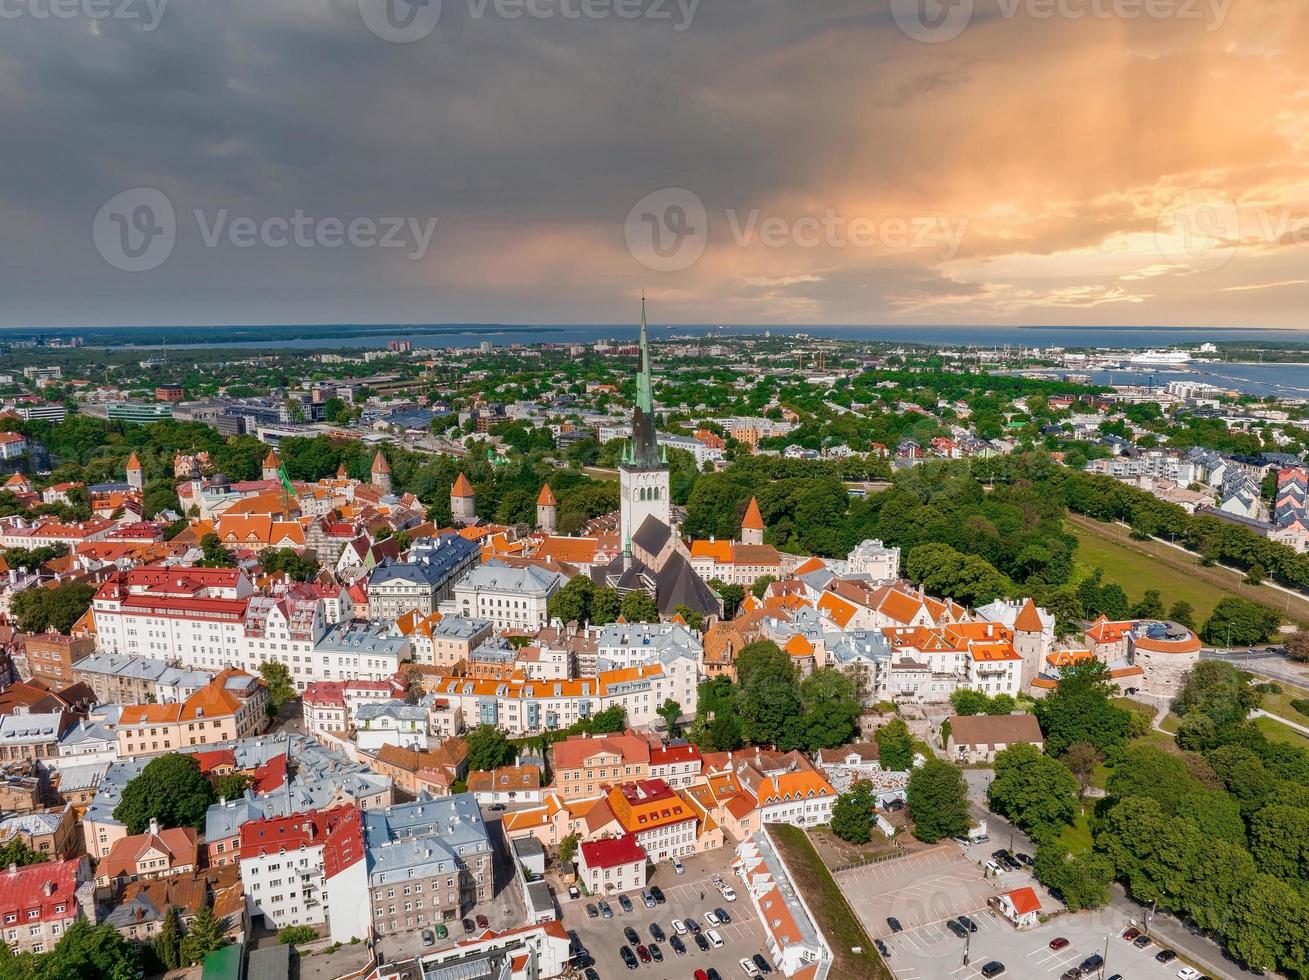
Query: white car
[(678, 866), (728, 893), (1188, 973), (679, 927), (748, 968), (712, 919)]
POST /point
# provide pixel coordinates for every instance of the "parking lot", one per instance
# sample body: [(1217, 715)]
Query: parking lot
[(921, 889), (742, 937), (932, 952)]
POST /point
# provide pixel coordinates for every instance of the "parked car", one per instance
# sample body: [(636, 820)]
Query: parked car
[(573, 893), (1165, 956), (591, 911), (712, 919), (723, 917), (714, 974), (590, 974), (656, 933), (957, 929), (605, 909), (679, 947), (967, 923), (658, 894), (442, 932), (894, 923), (625, 902), (483, 922), (429, 937), (992, 969), (1072, 973), (715, 940), (679, 927), (764, 966), (647, 898), (642, 954), (1024, 859), (994, 868), (702, 942), (1142, 942), (497, 807), (1188, 973), (728, 893), (656, 953), (1092, 963), (701, 975), (468, 926), (629, 958), (1131, 934), (678, 866), (1059, 942), (748, 968), (630, 935), (693, 926)]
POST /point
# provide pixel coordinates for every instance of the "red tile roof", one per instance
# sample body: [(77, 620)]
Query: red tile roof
[(45, 887), (612, 852)]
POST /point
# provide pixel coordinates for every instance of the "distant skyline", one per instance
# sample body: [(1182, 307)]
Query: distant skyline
[(803, 163)]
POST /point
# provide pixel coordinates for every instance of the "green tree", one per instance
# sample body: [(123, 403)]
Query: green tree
[(568, 849), (938, 801), (1082, 879), (16, 851), (609, 721), (296, 935), (277, 678), (852, 814), (38, 610), (732, 596), (168, 942), (1146, 771), (572, 603), (1182, 613), (671, 712), (204, 936), (1279, 842), (232, 785), (895, 746), (171, 789), (214, 554), (1239, 622), (606, 605), (1217, 690), (298, 567), (1151, 606), (831, 708), (488, 748), (1082, 760), (84, 950), (693, 618), (1080, 709), (967, 701), (1036, 792), (638, 607), (158, 496)]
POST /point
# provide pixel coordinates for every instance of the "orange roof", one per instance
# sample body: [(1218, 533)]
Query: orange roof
[(547, 497), (838, 610), (753, 520), (271, 459), (462, 487), (799, 646), (380, 465), (132, 462), (1028, 619), (812, 565), (575, 551), (720, 552), (1024, 900), (1105, 631)]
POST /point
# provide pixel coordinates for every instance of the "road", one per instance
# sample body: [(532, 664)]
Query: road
[(1263, 663), (1206, 953)]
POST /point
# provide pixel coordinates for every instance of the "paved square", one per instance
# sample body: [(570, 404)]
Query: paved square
[(932, 952), (742, 937), (923, 888)]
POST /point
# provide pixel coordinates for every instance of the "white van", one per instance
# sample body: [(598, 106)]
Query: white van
[(715, 940)]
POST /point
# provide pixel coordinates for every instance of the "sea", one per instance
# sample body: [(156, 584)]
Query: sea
[(1279, 379)]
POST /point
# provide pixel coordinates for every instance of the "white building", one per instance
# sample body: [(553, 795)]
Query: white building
[(511, 598), (391, 723), (875, 560), (612, 866)]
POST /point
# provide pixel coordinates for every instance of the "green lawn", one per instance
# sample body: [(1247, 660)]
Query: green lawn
[(1136, 573), (1170, 723), (1275, 731), (825, 899), (1160, 740), (1077, 837)]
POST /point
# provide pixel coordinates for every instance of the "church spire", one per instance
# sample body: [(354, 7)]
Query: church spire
[(643, 449)]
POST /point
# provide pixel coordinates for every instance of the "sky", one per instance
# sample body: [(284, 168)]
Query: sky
[(1061, 162)]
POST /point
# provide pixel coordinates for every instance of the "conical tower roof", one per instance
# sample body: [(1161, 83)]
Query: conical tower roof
[(380, 465), (462, 487), (753, 520), (547, 497)]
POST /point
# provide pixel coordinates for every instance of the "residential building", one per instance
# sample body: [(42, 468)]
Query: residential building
[(282, 868), (510, 597), (396, 588), (40, 901), (154, 854), (585, 765), (977, 738), (51, 655), (612, 866)]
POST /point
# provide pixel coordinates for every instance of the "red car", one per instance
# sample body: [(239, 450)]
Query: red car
[(1131, 934), (1059, 943), (483, 922), (643, 954), (701, 975)]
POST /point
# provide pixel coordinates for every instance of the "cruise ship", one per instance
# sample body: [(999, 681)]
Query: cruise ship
[(1159, 358)]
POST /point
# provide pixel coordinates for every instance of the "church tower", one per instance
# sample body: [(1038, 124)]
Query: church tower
[(271, 466), (463, 501), (643, 470)]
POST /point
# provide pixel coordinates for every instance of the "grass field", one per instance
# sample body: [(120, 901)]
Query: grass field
[(836, 919), (1275, 731), (1136, 573)]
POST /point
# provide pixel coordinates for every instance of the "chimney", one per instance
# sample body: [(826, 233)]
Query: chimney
[(48, 888)]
